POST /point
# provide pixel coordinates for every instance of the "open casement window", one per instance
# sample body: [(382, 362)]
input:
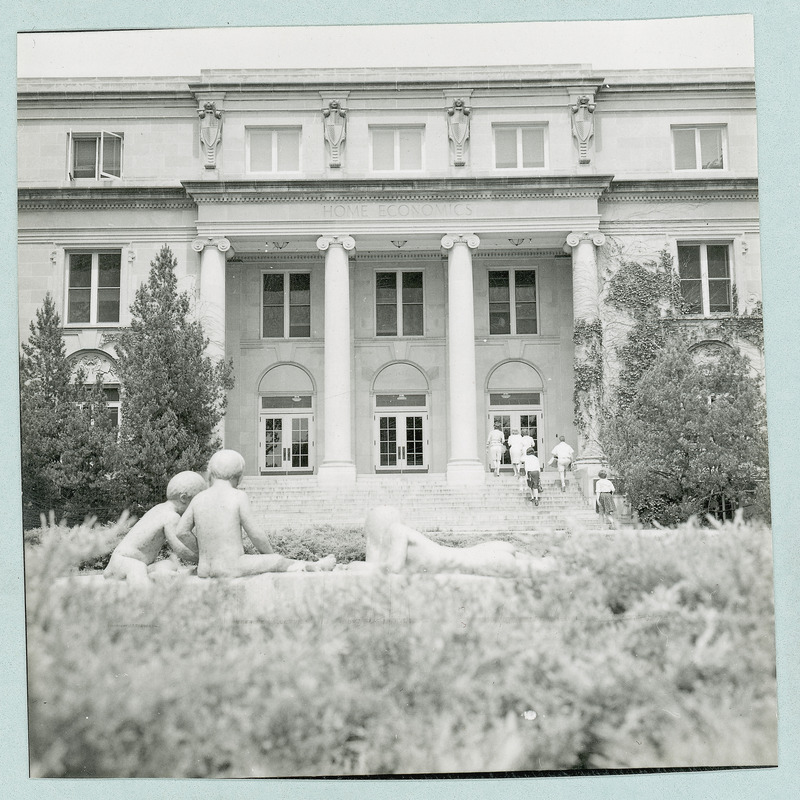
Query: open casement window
[(94, 155)]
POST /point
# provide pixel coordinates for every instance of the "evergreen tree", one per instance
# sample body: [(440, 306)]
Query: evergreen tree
[(173, 396), (44, 390), (691, 435)]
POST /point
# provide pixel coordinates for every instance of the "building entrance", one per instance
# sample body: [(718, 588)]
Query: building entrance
[(401, 440), (286, 438), (516, 411)]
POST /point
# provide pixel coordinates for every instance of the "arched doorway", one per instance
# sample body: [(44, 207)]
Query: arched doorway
[(286, 429), (515, 402), (401, 439)]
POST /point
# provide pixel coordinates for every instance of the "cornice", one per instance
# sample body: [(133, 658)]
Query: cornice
[(89, 198), (250, 259), (430, 189), (681, 190)]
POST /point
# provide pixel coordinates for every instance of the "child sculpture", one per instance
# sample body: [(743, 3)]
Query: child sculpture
[(217, 517), (134, 557)]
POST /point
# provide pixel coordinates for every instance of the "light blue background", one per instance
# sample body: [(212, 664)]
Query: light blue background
[(777, 78)]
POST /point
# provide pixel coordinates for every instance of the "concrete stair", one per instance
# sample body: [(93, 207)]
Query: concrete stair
[(426, 502)]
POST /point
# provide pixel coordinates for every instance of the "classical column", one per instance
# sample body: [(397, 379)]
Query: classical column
[(588, 341), (463, 465), (214, 251), (337, 465)]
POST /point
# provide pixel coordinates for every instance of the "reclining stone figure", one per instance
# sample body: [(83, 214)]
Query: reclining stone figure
[(394, 547)]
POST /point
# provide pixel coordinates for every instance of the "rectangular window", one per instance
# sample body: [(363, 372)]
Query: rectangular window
[(512, 302), (286, 305), (93, 288), (273, 149), (399, 304), (705, 278), (94, 155), (396, 149), (519, 146), (699, 147)]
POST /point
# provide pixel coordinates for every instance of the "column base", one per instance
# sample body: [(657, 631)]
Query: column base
[(336, 473), (466, 472)]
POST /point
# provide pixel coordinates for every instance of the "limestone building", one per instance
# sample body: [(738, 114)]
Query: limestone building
[(393, 259)]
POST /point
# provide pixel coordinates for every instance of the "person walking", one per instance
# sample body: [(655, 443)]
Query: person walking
[(532, 473), (495, 443), (562, 454), (515, 451), (604, 491)]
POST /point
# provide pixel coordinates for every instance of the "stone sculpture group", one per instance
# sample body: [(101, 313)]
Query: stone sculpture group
[(203, 523)]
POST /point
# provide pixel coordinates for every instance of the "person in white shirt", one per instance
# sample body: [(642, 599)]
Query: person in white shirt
[(563, 454), (532, 471), (603, 491), (495, 445), (515, 450)]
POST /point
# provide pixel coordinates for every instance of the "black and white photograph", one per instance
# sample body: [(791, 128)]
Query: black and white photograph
[(392, 401)]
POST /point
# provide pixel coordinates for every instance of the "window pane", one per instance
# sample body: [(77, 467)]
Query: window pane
[(273, 320), (689, 262), (412, 320), (717, 260), (505, 147), (685, 157), (386, 320), (498, 287), (108, 305), (412, 287), (300, 289), (711, 148), (719, 295), (260, 151), (386, 287), (692, 294), (79, 305), (410, 149), (288, 151), (526, 318), (499, 320), (382, 149), (111, 393), (273, 289), (108, 270), (532, 147), (112, 155), (300, 321), (84, 158), (80, 270), (525, 286)]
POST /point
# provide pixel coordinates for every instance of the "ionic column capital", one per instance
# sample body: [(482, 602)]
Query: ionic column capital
[(346, 242), (469, 239), (220, 242), (574, 239)]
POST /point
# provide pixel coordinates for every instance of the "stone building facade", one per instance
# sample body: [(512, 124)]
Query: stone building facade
[(393, 259)]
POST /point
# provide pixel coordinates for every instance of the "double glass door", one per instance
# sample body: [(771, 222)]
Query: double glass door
[(286, 443), (401, 442), (527, 422)]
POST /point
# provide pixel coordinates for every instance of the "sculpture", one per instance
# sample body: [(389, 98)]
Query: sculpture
[(210, 132), (334, 124), (583, 125), (458, 116)]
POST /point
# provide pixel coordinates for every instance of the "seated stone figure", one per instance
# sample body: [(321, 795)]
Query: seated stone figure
[(395, 547), (210, 531), (133, 558)]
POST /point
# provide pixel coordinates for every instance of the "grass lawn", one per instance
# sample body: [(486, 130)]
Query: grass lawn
[(643, 650)]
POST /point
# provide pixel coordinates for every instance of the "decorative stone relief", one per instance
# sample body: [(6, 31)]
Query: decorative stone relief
[(220, 242), (583, 125), (458, 118), (93, 365), (470, 240), (346, 242), (334, 124), (210, 132)]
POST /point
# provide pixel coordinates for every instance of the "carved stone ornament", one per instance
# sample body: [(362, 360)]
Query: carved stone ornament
[(93, 364), (583, 126), (334, 124), (470, 240), (210, 132), (458, 117), (346, 242)]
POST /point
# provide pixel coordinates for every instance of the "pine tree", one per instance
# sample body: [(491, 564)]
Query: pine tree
[(173, 395), (45, 404), (690, 436)]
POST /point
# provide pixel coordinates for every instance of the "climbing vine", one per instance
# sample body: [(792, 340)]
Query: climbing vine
[(588, 340)]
